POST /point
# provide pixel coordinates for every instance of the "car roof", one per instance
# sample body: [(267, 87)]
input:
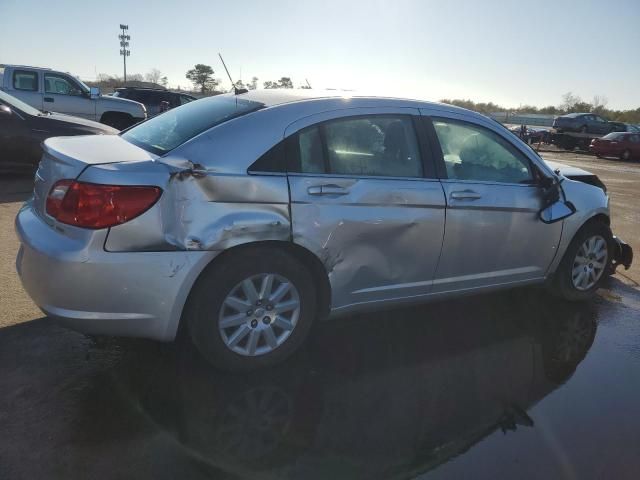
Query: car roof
[(278, 97)]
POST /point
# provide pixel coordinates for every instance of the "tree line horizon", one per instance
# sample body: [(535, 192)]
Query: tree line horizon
[(204, 82)]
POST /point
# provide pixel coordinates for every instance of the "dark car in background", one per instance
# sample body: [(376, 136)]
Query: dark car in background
[(624, 145), (584, 123), (23, 129), (532, 134), (156, 100)]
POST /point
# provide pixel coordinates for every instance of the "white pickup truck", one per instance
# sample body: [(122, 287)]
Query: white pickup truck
[(49, 90)]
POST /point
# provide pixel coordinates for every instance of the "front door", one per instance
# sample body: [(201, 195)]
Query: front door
[(493, 233), (364, 200), (62, 94)]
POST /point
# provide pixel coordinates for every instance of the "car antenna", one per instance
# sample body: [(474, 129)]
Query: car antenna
[(236, 90)]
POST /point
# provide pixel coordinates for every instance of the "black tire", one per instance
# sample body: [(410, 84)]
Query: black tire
[(205, 303), (562, 285), (117, 120), (626, 155)]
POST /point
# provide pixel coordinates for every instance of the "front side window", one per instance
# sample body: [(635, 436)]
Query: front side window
[(376, 145), (60, 85), (475, 153), (23, 80), (165, 132)]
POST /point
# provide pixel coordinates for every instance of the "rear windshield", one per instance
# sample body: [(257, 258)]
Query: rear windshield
[(614, 136), (165, 132)]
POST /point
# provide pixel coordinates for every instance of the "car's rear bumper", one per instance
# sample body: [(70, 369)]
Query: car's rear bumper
[(623, 253), (76, 281)]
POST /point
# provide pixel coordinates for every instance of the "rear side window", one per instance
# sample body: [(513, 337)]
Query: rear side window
[(375, 145), (23, 80), (165, 132)]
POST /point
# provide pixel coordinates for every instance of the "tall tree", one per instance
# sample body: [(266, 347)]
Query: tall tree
[(254, 83), (154, 76), (202, 77), (285, 82), (164, 81)]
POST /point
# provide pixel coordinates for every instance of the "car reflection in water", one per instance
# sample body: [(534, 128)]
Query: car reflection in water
[(387, 395)]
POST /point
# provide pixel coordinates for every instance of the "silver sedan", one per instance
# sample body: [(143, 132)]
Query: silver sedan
[(245, 218)]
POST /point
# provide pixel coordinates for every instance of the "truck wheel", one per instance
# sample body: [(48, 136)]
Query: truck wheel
[(117, 120), (252, 310), (626, 155), (585, 263)]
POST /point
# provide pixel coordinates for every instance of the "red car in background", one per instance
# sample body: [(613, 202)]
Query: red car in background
[(624, 145)]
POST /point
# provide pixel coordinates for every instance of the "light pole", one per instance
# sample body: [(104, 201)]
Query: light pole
[(124, 51)]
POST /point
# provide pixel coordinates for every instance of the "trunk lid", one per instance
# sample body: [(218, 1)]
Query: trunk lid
[(68, 157)]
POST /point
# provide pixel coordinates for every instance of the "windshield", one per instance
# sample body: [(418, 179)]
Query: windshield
[(18, 104), (165, 132), (614, 136)]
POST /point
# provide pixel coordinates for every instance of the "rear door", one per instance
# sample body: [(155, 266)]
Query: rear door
[(26, 87), (493, 233), (364, 199)]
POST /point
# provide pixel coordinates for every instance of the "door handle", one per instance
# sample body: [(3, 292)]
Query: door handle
[(465, 195), (327, 190), (48, 99)]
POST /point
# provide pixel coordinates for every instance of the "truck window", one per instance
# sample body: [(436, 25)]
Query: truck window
[(60, 85), (23, 80)]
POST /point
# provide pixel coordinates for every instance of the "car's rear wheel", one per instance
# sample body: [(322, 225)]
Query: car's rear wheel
[(252, 310), (626, 155), (585, 263)]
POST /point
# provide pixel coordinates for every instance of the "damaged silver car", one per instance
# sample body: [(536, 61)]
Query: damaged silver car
[(242, 219)]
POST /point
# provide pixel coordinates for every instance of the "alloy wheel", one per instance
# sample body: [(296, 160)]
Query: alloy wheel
[(259, 314), (589, 263)]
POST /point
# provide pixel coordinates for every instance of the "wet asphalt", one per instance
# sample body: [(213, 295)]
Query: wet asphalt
[(509, 385)]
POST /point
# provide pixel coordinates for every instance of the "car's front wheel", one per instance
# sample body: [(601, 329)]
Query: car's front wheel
[(585, 263), (252, 310)]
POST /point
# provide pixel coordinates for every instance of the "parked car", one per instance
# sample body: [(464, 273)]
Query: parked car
[(245, 218), (23, 129), (583, 123), (49, 90), (156, 100), (625, 146)]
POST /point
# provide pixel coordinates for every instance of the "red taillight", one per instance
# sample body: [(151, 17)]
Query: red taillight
[(91, 205)]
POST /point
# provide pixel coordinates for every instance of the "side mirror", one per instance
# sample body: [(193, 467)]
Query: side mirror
[(4, 110), (94, 92), (557, 211)]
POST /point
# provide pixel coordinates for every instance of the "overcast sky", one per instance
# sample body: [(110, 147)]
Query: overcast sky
[(508, 52)]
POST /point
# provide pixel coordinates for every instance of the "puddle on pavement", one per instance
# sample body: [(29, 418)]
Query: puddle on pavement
[(511, 385)]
